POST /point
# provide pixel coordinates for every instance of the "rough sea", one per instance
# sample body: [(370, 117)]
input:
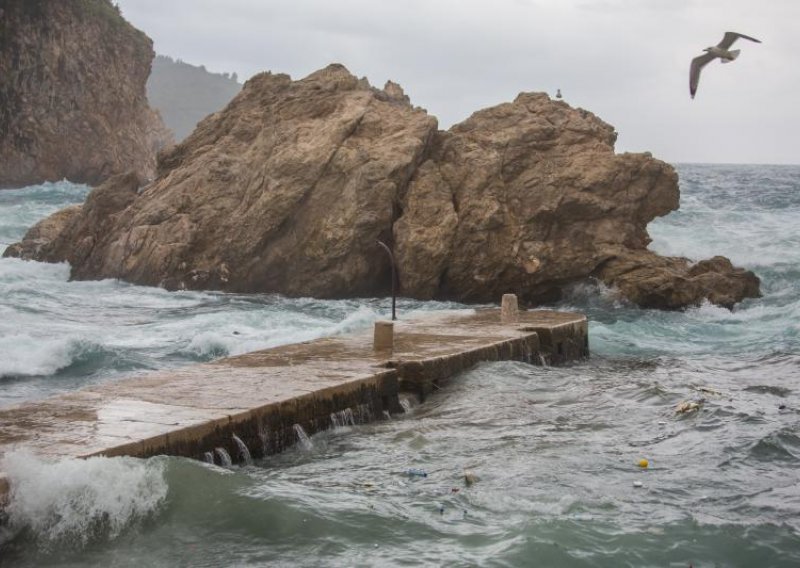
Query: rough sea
[(555, 450)]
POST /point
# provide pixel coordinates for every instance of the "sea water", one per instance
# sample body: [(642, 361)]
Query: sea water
[(555, 451)]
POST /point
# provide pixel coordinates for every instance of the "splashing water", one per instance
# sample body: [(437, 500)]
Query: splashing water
[(343, 418), (73, 501), (408, 401), (263, 435), (302, 438), (224, 457), (363, 414), (244, 453), (554, 449)]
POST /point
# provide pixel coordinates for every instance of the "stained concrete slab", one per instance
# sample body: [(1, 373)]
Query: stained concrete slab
[(260, 396)]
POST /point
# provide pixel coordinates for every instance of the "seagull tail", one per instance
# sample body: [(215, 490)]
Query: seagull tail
[(734, 54)]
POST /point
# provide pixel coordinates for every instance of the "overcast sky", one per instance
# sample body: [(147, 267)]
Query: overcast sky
[(625, 60)]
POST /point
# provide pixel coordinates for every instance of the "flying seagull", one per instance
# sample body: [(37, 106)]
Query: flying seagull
[(720, 50)]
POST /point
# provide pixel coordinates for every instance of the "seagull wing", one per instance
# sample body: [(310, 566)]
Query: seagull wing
[(731, 37), (694, 70)]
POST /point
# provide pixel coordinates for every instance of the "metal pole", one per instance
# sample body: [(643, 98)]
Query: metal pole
[(394, 277)]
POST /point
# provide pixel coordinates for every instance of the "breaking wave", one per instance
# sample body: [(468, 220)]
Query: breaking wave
[(74, 501)]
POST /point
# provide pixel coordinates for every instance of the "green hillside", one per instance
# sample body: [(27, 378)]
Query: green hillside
[(184, 94)]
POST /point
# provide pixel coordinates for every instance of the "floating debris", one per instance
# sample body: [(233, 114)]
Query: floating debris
[(643, 463), (469, 477), (688, 406), (415, 472)]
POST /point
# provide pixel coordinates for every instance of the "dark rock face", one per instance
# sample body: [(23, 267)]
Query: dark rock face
[(288, 188), (72, 93)]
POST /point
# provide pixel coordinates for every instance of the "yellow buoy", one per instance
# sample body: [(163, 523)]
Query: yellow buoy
[(643, 463)]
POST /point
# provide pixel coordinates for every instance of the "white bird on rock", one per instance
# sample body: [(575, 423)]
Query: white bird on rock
[(720, 50)]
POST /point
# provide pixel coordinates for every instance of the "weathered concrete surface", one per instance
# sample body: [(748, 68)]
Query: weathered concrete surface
[(260, 396)]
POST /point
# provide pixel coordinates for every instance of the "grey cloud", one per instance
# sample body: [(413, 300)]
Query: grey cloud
[(625, 60)]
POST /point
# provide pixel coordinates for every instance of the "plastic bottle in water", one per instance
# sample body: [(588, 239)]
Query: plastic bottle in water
[(414, 472)]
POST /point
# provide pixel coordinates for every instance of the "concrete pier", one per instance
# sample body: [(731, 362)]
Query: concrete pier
[(261, 396)]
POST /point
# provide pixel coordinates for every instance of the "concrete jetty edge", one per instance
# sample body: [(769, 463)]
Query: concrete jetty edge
[(265, 396)]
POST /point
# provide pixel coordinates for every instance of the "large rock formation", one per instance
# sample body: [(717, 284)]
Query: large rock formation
[(288, 189), (525, 196), (72, 93)]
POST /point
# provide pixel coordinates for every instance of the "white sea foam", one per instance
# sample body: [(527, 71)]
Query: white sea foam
[(360, 318), (745, 216), (26, 355), (234, 333), (74, 500), (21, 208), (15, 274)]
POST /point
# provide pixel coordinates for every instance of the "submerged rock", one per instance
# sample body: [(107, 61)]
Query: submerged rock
[(670, 283), (72, 94), (289, 187)]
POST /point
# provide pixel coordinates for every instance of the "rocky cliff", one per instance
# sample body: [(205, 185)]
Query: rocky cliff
[(288, 189), (72, 93)]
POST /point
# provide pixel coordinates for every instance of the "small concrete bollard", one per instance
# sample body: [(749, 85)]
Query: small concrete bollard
[(509, 310), (384, 335)]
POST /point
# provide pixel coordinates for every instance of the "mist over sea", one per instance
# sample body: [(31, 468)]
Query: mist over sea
[(555, 450)]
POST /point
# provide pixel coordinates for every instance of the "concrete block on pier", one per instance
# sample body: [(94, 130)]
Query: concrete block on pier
[(509, 309), (383, 336)]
